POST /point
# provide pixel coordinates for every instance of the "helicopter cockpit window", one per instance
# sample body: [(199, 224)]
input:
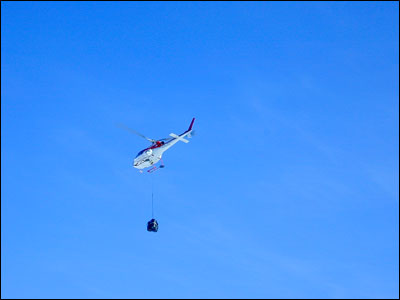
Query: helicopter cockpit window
[(140, 153)]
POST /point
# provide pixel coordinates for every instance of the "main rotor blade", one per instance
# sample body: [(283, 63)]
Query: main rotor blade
[(123, 126)]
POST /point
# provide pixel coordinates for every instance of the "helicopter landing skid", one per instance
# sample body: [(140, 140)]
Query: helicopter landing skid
[(155, 168)]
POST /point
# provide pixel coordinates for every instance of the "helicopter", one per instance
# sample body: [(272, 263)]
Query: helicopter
[(151, 155)]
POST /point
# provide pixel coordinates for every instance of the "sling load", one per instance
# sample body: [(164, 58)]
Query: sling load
[(152, 225)]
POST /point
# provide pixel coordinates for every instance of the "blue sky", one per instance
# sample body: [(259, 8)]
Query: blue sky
[(289, 189)]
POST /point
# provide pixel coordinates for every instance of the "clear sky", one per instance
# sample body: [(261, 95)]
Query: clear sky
[(288, 190)]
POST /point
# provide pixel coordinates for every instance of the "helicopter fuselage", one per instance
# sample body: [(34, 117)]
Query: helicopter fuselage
[(148, 157)]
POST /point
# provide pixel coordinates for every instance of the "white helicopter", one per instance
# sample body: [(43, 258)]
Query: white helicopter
[(151, 155)]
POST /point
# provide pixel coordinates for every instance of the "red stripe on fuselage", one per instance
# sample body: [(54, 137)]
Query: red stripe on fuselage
[(156, 145)]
